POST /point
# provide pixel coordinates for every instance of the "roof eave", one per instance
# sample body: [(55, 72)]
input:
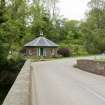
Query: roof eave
[(41, 46)]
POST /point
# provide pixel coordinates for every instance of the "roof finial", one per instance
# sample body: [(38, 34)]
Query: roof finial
[(41, 33)]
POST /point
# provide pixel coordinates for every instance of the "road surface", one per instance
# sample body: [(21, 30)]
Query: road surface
[(59, 83)]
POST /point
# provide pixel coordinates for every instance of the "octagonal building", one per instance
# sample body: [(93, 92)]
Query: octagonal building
[(41, 46)]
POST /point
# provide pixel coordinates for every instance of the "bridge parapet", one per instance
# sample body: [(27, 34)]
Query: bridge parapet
[(20, 93)]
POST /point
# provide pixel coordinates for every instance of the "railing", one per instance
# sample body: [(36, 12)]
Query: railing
[(20, 93)]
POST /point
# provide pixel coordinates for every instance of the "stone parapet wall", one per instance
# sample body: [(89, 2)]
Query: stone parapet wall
[(20, 93), (97, 67)]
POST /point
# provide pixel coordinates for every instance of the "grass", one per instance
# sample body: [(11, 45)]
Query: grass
[(37, 59), (100, 58)]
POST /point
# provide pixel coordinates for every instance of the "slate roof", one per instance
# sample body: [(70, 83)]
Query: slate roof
[(41, 42)]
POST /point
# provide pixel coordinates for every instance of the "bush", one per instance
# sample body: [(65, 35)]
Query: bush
[(78, 50), (65, 52)]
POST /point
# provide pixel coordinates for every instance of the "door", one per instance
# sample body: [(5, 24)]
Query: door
[(41, 52)]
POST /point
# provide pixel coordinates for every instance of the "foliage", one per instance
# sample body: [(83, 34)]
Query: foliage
[(65, 52), (73, 37), (76, 49), (94, 27), (8, 73), (23, 20)]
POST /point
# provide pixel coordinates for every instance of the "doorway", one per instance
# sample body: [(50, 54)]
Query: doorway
[(41, 51)]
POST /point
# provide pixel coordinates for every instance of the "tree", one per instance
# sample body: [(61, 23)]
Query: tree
[(73, 37), (42, 20), (94, 27), (3, 47), (15, 26)]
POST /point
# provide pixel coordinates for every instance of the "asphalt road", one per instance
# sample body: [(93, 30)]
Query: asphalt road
[(59, 83)]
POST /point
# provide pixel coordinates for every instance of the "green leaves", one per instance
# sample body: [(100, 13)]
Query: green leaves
[(94, 27)]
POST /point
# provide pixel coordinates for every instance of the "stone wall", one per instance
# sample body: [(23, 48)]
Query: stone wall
[(97, 67), (20, 93), (51, 52), (31, 51)]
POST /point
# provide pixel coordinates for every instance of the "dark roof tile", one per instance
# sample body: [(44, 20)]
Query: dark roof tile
[(41, 42)]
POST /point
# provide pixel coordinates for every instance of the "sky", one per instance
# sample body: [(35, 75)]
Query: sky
[(73, 9)]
